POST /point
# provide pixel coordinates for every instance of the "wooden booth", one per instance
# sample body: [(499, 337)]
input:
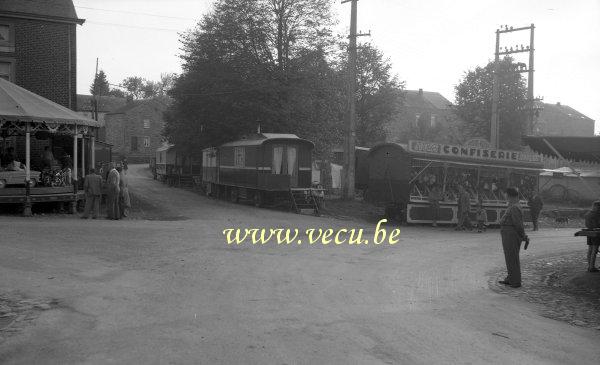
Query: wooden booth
[(403, 175), (46, 149)]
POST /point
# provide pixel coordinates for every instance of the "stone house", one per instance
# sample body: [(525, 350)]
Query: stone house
[(135, 130), (427, 115), (562, 120)]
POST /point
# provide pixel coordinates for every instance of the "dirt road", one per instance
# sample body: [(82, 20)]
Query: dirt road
[(172, 291)]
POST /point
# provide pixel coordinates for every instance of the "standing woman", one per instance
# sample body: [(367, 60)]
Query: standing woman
[(112, 193), (124, 201), (513, 233)]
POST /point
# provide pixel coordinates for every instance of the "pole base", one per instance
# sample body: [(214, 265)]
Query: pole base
[(27, 209)]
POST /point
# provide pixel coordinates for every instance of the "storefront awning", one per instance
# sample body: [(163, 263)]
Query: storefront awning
[(20, 105), (572, 148)]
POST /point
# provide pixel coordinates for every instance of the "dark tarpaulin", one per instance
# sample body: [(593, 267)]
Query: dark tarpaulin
[(572, 148)]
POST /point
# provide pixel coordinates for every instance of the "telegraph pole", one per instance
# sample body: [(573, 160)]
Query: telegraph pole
[(349, 167), (96, 93), (521, 68)]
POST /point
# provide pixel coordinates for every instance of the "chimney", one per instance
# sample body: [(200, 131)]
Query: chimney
[(421, 92)]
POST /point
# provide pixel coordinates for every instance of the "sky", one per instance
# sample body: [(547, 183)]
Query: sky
[(430, 43)]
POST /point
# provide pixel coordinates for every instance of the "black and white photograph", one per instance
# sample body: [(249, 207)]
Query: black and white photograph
[(299, 182)]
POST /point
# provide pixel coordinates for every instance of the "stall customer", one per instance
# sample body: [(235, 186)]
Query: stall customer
[(535, 207), (435, 196), (92, 185), (592, 220), (112, 193), (464, 206), (512, 233)]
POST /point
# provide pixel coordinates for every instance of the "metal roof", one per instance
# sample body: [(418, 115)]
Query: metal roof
[(21, 105), (571, 148), (259, 139)]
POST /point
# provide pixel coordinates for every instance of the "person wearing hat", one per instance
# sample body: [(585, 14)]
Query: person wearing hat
[(512, 232), (592, 220)]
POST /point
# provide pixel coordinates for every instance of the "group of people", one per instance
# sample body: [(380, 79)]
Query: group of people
[(118, 201)]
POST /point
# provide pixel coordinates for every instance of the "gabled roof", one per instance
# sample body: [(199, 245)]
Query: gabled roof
[(563, 110), (160, 102), (426, 99), (106, 104), (59, 10)]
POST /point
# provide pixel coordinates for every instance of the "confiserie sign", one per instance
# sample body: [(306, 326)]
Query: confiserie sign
[(472, 152)]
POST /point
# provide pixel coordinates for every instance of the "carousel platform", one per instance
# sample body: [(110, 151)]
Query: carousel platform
[(40, 195)]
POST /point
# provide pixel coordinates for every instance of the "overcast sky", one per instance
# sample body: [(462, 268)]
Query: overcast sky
[(430, 43)]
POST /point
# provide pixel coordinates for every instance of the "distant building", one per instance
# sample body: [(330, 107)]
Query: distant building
[(562, 120), (135, 129), (38, 47), (426, 115)]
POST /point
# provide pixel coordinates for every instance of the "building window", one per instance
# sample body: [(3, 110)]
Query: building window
[(146, 141), (417, 116), (7, 69), (146, 123), (239, 157), (433, 120), (134, 143), (7, 37)]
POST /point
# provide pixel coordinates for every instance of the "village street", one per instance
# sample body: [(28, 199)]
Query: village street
[(169, 289)]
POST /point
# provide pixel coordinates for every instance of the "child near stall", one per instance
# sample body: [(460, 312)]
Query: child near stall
[(481, 216)]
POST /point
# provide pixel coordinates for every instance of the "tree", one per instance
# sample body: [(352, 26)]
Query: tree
[(474, 102), (134, 86), (249, 61), (100, 85), (117, 93)]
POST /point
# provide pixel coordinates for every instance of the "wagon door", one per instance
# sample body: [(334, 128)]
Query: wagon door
[(285, 162)]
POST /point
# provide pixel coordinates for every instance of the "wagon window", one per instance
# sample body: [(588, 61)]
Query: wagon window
[(239, 157), (277, 159), (292, 160)]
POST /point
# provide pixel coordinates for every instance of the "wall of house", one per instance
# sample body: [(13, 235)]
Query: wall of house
[(44, 58), (120, 128)]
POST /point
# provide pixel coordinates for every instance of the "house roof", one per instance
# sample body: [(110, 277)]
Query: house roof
[(572, 148), (19, 104), (161, 102), (106, 104), (60, 10), (426, 99), (563, 110)]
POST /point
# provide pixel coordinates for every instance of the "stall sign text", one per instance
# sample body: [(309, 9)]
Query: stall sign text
[(471, 152)]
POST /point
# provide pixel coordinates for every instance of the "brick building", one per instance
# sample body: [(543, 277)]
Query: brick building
[(135, 130), (38, 47), (38, 52), (562, 120), (426, 115)]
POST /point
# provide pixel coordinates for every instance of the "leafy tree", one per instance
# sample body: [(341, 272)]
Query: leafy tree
[(474, 102), (134, 86), (117, 92), (100, 85)]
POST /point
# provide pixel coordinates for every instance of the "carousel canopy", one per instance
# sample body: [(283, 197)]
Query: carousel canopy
[(20, 105), (572, 148)]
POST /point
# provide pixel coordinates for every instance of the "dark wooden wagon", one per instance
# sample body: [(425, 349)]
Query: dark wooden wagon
[(263, 167)]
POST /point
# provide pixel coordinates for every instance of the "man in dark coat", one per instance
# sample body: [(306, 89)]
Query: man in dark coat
[(92, 185), (464, 206), (512, 232), (592, 220), (535, 207), (112, 193), (435, 196)]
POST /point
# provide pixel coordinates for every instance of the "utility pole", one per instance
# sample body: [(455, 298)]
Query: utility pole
[(521, 68), (349, 161), (95, 93)]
